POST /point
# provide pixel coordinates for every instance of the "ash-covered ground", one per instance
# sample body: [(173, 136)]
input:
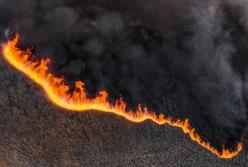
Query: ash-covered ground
[(184, 59)]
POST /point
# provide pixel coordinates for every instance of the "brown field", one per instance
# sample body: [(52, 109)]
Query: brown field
[(36, 133)]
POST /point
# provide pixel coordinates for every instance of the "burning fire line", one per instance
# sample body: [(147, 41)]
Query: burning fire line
[(77, 101)]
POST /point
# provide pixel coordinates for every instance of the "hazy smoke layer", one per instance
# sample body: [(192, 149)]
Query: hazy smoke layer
[(183, 59)]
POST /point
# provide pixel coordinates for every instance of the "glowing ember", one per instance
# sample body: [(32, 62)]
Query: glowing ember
[(59, 94)]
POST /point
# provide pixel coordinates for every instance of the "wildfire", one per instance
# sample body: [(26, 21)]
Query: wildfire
[(78, 101)]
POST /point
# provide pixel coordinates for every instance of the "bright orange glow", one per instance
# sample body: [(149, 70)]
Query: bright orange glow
[(77, 100)]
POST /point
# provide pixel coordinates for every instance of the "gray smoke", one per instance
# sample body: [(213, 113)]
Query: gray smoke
[(217, 84), (241, 6), (181, 59)]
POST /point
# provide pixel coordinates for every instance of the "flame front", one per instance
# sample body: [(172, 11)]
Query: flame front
[(78, 101)]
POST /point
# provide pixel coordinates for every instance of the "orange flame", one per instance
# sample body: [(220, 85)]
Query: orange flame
[(58, 92)]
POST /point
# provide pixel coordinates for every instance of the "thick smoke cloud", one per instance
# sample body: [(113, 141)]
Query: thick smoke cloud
[(181, 59), (220, 85)]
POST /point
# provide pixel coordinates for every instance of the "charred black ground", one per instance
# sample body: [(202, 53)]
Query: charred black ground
[(184, 59)]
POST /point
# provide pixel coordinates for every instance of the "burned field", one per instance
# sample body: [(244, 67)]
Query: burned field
[(184, 65)]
